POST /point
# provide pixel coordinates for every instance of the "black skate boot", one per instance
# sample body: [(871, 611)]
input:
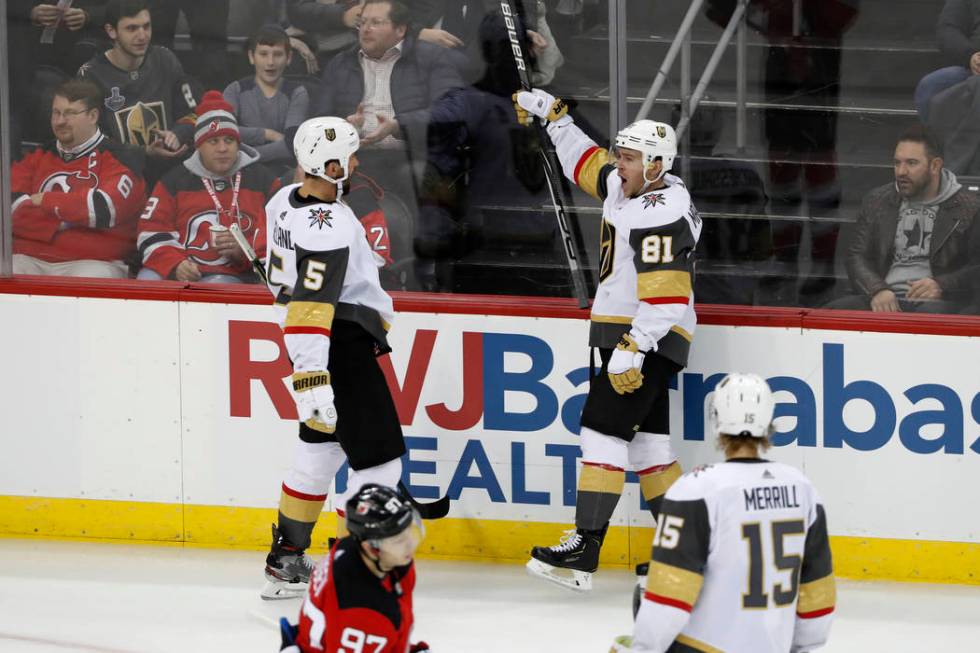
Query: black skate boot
[(578, 552), (287, 570)]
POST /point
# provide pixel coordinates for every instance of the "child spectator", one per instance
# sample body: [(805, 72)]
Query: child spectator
[(268, 107)]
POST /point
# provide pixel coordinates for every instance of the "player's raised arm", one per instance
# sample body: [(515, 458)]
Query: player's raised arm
[(582, 160)]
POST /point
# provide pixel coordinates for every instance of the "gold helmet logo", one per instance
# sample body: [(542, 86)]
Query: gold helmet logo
[(141, 123), (661, 131), (331, 134)]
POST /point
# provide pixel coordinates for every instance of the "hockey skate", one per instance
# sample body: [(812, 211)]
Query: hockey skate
[(287, 570), (576, 556)]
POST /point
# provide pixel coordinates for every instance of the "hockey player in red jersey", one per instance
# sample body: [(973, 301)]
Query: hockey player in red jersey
[(360, 595), (76, 199), (741, 559), (183, 231)]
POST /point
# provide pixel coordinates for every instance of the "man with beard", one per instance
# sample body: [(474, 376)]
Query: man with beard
[(335, 318), (183, 232), (916, 245)]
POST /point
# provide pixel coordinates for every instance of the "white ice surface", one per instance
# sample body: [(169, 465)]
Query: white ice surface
[(68, 596)]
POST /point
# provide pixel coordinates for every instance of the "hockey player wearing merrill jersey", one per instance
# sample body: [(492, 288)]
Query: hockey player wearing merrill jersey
[(335, 317), (360, 595), (741, 560), (642, 322)]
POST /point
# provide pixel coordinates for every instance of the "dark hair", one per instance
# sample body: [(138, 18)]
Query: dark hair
[(269, 35), (116, 10), (919, 134), (81, 90), (400, 15)]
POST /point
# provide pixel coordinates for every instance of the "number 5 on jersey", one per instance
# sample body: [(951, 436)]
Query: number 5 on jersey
[(313, 280)]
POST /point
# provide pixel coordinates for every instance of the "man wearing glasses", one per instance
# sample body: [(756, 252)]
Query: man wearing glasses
[(76, 200)]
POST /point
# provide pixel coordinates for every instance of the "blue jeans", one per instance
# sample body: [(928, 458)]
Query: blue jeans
[(935, 82)]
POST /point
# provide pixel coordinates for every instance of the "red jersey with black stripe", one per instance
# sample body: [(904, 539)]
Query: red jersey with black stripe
[(90, 204), (349, 609), (176, 225)]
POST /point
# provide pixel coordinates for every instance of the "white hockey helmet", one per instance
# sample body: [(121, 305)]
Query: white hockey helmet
[(321, 140), (742, 405), (651, 138)]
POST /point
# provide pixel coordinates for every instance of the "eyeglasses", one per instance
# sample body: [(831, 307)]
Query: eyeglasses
[(68, 113), (374, 23)]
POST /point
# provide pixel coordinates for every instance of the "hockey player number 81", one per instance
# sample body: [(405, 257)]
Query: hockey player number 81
[(657, 249)]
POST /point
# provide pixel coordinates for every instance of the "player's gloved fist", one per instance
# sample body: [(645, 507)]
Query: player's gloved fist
[(622, 644), (538, 103), (625, 364), (314, 400)]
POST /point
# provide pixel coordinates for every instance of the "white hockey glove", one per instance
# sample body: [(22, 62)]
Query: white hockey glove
[(314, 401), (538, 103), (622, 644), (625, 365)]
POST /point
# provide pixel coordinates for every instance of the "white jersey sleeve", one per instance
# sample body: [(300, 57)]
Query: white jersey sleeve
[(582, 160)]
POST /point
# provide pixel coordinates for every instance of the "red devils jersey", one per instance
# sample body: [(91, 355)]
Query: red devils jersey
[(89, 207), (350, 609), (364, 199), (176, 224)]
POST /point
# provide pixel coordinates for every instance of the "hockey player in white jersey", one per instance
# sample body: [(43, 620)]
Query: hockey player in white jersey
[(642, 322), (335, 316), (741, 560)]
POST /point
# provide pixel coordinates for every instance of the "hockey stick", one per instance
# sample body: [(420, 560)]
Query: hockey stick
[(435, 510), (242, 242), (551, 165)]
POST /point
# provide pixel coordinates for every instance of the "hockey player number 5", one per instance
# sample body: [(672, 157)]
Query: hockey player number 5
[(657, 249), (756, 598), (353, 640), (314, 275)]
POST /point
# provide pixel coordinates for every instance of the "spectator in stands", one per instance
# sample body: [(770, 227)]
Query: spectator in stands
[(958, 31), (385, 86), (916, 245), (183, 233), (478, 154), (268, 107), (207, 21), (150, 100), (76, 200)]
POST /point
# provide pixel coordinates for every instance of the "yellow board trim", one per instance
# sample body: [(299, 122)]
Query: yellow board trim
[(817, 595), (663, 283), (309, 314), (861, 558), (597, 479), (697, 644)]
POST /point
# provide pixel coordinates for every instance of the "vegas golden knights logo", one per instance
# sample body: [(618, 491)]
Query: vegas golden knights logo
[(331, 134), (661, 131), (607, 250), (137, 124)]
